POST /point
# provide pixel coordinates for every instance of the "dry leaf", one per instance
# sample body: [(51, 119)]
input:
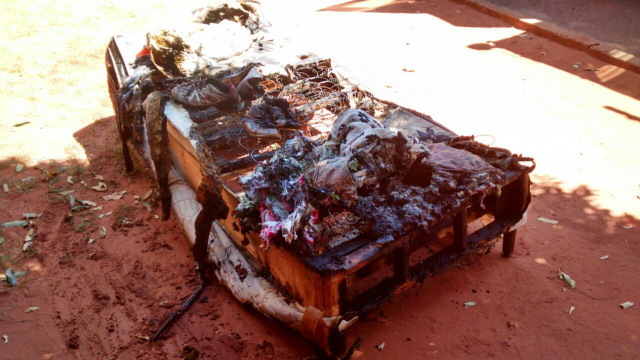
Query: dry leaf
[(628, 227), (604, 257), (469, 304), (70, 179), (100, 187), (31, 215), (147, 206), (31, 309), (26, 246), (144, 337), (87, 202), (408, 70), (104, 215), (103, 231), (6, 338), (16, 223), (97, 208), (19, 168), (115, 195), (571, 309), (5, 187), (380, 347), (548, 221), (567, 279), (147, 194), (626, 305), (91, 241), (99, 177), (12, 276)]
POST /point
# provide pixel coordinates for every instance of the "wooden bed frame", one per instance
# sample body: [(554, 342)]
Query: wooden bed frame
[(354, 277)]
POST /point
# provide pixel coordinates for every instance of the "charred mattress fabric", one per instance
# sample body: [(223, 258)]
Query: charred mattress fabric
[(363, 179)]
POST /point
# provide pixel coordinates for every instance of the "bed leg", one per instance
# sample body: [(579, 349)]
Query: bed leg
[(508, 243)]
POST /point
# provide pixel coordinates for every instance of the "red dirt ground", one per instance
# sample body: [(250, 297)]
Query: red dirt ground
[(95, 299)]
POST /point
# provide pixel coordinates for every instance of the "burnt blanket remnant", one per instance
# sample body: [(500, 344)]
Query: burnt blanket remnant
[(364, 179)]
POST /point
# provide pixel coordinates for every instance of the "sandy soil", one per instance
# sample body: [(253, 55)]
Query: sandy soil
[(98, 300)]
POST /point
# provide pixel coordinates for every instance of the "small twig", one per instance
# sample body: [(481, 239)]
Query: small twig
[(352, 349), (184, 307)]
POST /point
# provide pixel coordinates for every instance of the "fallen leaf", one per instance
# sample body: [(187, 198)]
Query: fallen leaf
[(47, 174), (628, 227), (31, 309), (5, 187), (408, 70), (156, 216), (30, 235), (147, 206), (380, 347), (70, 179), (103, 232), (97, 208), (100, 187), (6, 338), (26, 246), (626, 305), (16, 223), (104, 215), (72, 200), (115, 195), (27, 179), (87, 202), (591, 69), (567, 279), (91, 241), (571, 309), (19, 168), (604, 257), (144, 337), (22, 124), (12, 276), (147, 194), (99, 177), (548, 221), (469, 304), (167, 303), (63, 193), (31, 215)]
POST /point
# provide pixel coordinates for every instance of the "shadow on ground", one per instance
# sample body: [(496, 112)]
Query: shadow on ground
[(98, 299), (101, 295), (525, 45)]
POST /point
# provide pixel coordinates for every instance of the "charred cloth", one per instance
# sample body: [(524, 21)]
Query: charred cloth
[(364, 179)]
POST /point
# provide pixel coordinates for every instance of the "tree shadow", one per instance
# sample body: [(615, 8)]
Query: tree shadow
[(449, 14), (534, 48), (525, 289), (618, 111)]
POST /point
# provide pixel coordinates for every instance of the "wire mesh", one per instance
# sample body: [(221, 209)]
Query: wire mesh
[(316, 95)]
